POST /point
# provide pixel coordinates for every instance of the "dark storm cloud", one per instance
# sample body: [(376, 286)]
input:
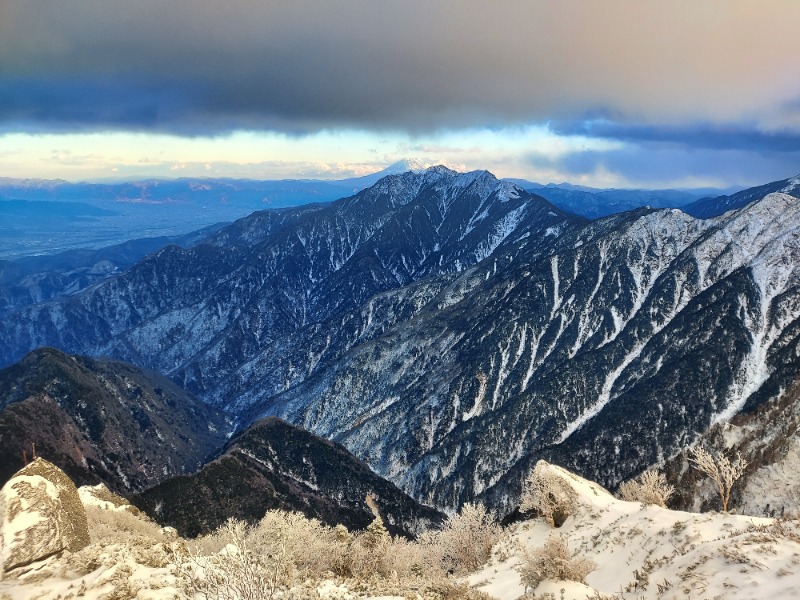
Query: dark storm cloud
[(660, 165), (200, 67), (707, 136)]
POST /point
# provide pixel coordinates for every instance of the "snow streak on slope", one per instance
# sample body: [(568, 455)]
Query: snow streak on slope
[(273, 282), (768, 238)]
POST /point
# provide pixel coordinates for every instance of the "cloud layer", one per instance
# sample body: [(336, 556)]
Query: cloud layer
[(199, 67), (711, 87)]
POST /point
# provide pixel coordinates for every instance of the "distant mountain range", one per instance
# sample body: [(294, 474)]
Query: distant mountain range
[(595, 203), (712, 206), (450, 329), (33, 212)]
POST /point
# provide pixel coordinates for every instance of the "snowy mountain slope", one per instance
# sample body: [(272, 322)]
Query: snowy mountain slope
[(636, 333), (35, 279), (766, 435), (651, 552), (638, 552), (450, 329)]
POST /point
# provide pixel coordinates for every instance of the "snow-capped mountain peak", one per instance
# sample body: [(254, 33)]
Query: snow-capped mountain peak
[(451, 328), (405, 165)]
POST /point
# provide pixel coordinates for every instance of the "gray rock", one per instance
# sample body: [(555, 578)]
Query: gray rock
[(42, 515)]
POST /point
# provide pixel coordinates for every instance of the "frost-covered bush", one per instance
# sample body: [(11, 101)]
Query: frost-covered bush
[(312, 547), (547, 494), (236, 572), (283, 548), (650, 487), (367, 552), (553, 561), (285, 551), (108, 525), (465, 541), (373, 553)]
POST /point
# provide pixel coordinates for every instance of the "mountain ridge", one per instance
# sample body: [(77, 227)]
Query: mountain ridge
[(102, 421)]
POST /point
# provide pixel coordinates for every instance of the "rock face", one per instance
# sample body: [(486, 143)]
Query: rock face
[(42, 515)]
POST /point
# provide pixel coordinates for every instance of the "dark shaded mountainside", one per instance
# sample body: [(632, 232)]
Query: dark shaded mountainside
[(108, 422), (451, 329), (102, 421), (34, 279), (273, 465), (768, 437)]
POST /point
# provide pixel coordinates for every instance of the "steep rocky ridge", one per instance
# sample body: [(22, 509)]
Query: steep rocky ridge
[(767, 436), (274, 465), (102, 421), (450, 329)]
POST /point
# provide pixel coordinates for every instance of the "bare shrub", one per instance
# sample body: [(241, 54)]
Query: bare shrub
[(547, 494), (650, 487), (722, 471), (285, 551), (409, 560), (312, 547), (553, 561), (120, 525), (368, 550)]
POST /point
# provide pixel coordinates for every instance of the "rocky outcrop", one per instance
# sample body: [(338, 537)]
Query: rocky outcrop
[(42, 515)]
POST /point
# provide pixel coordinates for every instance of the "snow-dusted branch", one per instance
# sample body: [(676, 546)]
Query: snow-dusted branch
[(720, 469)]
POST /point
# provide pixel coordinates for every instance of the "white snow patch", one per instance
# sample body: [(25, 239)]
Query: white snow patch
[(652, 552)]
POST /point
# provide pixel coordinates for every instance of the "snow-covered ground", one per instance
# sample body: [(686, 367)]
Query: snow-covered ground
[(640, 552), (651, 552)]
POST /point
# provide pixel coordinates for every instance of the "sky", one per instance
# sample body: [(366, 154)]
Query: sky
[(611, 93)]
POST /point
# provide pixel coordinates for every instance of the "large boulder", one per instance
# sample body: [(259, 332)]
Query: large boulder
[(41, 514)]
